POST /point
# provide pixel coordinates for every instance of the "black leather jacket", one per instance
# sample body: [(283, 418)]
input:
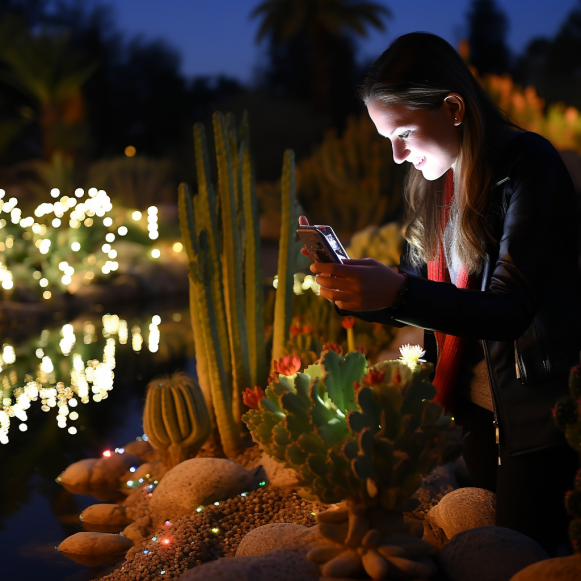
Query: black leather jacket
[(527, 311)]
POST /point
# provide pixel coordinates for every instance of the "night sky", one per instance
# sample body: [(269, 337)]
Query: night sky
[(217, 36)]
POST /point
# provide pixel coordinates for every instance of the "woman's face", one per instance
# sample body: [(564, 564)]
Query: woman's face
[(427, 139)]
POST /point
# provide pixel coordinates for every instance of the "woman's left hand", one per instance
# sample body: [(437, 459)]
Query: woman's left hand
[(359, 284)]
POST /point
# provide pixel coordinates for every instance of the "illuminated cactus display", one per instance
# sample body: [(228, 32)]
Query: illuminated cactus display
[(567, 416), (350, 431), (176, 418), (227, 302)]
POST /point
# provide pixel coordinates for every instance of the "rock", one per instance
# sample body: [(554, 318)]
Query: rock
[(271, 537), (106, 514), (142, 449), (284, 565), (138, 530), (464, 509), (94, 549), (488, 554), (108, 469), (196, 482), (143, 471), (77, 477), (558, 569), (277, 475)]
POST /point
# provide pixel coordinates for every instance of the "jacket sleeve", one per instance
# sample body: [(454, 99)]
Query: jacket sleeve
[(507, 307), (387, 316)]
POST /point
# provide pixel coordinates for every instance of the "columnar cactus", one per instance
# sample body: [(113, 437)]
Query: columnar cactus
[(567, 416), (353, 432), (175, 418), (286, 258), (226, 294)]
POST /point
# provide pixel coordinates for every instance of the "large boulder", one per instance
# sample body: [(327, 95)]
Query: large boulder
[(272, 537), (77, 477), (558, 569), (461, 510), (488, 554), (95, 549), (108, 470), (195, 482), (277, 475), (284, 565)]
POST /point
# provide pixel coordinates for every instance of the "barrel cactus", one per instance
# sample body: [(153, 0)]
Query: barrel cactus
[(176, 419), (567, 416)]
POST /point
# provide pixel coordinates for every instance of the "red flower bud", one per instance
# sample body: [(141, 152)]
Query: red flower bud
[(332, 347), (348, 322), (252, 397), (307, 330), (295, 330), (287, 365), (361, 349)]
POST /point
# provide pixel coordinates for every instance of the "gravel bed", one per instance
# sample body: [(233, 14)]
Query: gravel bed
[(216, 532)]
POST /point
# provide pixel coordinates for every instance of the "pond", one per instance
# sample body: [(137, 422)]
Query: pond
[(107, 358)]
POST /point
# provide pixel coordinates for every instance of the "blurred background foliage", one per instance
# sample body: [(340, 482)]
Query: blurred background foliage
[(83, 104)]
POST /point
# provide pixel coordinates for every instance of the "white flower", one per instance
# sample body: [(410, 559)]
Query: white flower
[(410, 355)]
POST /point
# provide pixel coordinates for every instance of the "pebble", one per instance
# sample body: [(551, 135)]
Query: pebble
[(191, 540)]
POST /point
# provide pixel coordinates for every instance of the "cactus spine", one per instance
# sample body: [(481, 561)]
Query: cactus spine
[(176, 418), (286, 258)]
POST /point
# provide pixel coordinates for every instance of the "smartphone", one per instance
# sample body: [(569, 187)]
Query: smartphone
[(322, 243)]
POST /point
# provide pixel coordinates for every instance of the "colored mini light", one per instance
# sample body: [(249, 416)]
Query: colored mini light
[(107, 453)]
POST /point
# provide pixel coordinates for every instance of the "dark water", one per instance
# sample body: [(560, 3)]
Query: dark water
[(36, 513)]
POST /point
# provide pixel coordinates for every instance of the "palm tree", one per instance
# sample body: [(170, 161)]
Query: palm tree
[(320, 20), (42, 67)]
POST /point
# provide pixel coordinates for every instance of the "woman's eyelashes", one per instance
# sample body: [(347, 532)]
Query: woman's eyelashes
[(405, 135)]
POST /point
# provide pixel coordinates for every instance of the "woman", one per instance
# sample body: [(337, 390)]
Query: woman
[(489, 271)]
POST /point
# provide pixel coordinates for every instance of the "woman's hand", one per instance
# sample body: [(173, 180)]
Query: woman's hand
[(358, 284)]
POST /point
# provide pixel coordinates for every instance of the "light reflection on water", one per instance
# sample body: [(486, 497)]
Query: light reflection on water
[(36, 513), (70, 365)]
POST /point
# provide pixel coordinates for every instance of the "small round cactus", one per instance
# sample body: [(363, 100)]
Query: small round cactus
[(565, 412), (175, 418)]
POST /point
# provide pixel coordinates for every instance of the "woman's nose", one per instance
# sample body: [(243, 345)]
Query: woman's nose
[(400, 153)]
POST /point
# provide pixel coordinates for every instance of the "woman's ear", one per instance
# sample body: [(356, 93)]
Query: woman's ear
[(454, 104)]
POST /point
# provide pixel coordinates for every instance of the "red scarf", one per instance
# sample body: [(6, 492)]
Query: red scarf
[(450, 347)]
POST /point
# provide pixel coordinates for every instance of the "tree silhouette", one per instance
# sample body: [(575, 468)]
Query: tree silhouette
[(321, 22), (553, 66), (487, 28)]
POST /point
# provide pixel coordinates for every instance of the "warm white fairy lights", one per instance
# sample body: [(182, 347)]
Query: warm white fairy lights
[(152, 222)]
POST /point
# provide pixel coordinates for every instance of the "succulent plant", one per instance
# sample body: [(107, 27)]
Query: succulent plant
[(353, 432), (567, 416), (176, 418), (357, 539)]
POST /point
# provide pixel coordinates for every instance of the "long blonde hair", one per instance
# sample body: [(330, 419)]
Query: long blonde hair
[(419, 70)]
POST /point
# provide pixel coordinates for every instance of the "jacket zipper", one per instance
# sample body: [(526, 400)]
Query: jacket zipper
[(495, 421), (516, 361)]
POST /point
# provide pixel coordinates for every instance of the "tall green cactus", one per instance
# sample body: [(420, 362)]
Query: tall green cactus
[(176, 418), (252, 271), (232, 261), (226, 294), (286, 258), (202, 272)]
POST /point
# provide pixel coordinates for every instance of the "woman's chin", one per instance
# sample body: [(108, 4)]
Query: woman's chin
[(431, 174)]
